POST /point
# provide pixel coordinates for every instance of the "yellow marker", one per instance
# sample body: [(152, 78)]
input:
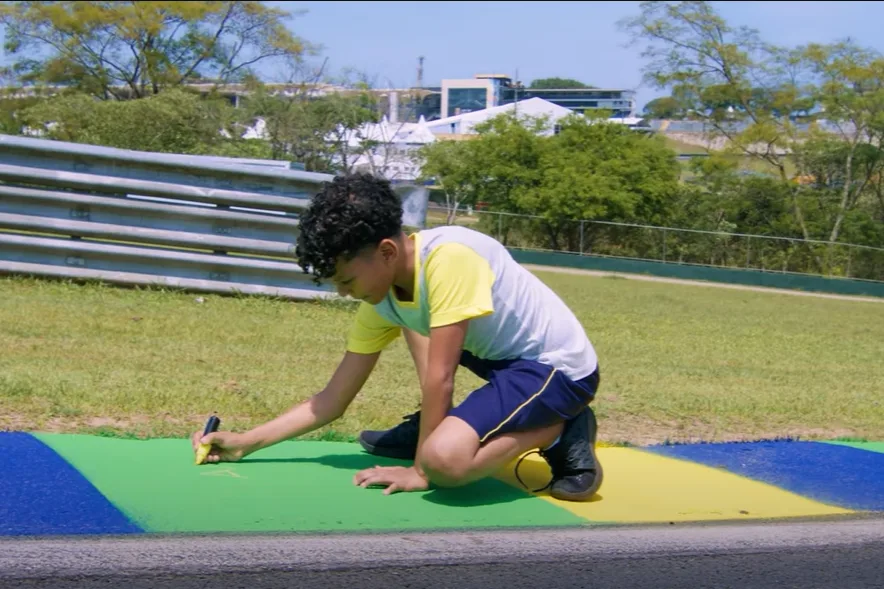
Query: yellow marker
[(203, 450)]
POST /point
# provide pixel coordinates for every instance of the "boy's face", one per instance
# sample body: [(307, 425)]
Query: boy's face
[(369, 276)]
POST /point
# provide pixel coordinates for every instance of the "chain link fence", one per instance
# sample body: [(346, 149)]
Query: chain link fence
[(673, 245)]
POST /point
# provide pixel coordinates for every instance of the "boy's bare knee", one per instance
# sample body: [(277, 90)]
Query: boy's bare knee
[(443, 464)]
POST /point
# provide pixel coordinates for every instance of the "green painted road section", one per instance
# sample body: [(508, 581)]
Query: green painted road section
[(291, 487), (870, 446)]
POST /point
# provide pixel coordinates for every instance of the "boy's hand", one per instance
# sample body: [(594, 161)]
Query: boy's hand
[(395, 478), (226, 446)]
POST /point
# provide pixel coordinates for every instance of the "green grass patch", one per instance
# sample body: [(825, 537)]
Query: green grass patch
[(745, 163), (678, 362), (683, 147)]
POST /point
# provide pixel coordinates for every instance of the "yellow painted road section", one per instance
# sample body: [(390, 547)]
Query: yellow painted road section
[(640, 487)]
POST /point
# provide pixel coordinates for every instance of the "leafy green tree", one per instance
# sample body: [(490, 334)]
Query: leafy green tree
[(175, 121), (314, 131), (590, 169), (133, 49), (452, 165), (754, 94), (851, 94), (556, 83), (665, 107), (593, 169), (711, 69), (508, 153), (10, 109)]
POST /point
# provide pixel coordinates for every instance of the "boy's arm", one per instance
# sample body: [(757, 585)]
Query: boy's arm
[(368, 336), (459, 283), (320, 409), (437, 385)]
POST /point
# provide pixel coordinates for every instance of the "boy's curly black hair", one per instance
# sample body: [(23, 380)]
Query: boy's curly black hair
[(350, 213)]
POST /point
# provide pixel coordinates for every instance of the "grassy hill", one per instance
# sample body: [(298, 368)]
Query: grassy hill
[(695, 147)]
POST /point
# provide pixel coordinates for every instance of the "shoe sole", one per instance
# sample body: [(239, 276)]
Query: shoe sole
[(385, 452), (600, 475)]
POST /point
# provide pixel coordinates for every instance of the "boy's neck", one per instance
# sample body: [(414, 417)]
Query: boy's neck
[(403, 281)]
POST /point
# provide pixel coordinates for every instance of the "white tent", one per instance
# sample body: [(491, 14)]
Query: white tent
[(463, 124), (387, 149)]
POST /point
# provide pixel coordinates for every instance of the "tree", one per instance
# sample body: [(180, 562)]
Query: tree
[(590, 169), (508, 152), (336, 132), (499, 164), (712, 70), (178, 121), (11, 107), (754, 94), (313, 130), (851, 94), (595, 169), (556, 84), (133, 49), (451, 164), (665, 107)]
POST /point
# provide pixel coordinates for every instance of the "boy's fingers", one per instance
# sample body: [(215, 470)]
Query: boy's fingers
[(213, 438)]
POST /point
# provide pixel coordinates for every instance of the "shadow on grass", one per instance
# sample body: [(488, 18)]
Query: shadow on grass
[(483, 492)]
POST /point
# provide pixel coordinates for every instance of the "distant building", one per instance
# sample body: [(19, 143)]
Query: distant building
[(452, 98), (389, 148), (459, 96), (621, 103)]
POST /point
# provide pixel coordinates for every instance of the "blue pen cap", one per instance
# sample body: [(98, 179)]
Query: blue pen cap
[(212, 425)]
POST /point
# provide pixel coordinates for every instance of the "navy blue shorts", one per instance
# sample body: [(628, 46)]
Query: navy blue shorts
[(521, 395)]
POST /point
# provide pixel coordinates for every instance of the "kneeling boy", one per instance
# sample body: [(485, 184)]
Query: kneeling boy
[(477, 308)]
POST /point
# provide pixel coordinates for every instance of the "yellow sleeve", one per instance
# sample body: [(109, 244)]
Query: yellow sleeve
[(459, 284), (370, 332)]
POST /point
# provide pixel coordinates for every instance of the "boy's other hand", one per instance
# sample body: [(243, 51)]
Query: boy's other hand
[(395, 478), (226, 446)]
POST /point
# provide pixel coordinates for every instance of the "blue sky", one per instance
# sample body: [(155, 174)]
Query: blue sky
[(539, 39)]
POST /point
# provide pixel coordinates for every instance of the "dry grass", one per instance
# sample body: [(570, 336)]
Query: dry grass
[(678, 362)]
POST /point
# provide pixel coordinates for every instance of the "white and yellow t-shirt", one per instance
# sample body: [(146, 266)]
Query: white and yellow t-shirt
[(463, 274)]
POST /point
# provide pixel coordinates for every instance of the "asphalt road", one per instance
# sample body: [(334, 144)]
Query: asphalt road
[(807, 555)]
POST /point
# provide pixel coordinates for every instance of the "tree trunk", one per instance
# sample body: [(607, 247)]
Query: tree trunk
[(796, 206), (880, 194), (452, 209), (845, 196), (553, 234)]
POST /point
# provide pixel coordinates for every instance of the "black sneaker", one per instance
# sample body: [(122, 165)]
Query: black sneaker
[(576, 472), (397, 442)]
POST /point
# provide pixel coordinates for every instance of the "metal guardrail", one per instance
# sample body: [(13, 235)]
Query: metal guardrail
[(198, 223)]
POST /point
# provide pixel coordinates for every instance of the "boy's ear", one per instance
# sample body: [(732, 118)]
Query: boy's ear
[(388, 249)]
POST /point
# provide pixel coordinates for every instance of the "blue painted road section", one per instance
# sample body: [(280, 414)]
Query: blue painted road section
[(41, 494), (835, 475)]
